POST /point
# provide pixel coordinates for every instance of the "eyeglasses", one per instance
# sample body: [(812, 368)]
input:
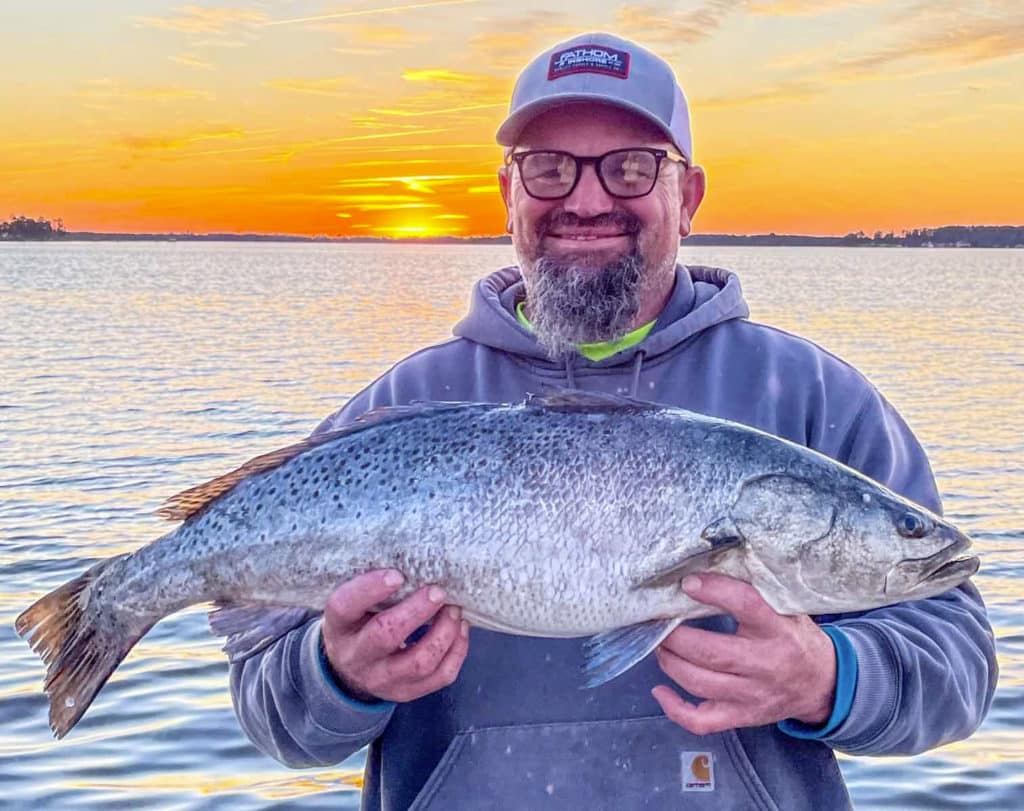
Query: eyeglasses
[(549, 174)]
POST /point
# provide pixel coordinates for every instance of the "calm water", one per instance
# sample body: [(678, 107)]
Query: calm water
[(129, 372)]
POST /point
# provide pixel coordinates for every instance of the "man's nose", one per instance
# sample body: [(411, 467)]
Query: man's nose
[(589, 198)]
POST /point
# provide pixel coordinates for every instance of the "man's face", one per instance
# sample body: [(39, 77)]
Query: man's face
[(595, 265)]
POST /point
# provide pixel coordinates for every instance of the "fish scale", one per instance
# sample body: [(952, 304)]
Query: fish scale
[(568, 515)]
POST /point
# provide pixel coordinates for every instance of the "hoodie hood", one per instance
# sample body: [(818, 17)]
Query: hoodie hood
[(702, 297)]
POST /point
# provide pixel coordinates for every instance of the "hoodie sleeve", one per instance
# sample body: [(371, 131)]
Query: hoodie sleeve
[(926, 670), (287, 703), (291, 708)]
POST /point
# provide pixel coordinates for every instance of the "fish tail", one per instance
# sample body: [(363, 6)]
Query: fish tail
[(80, 648)]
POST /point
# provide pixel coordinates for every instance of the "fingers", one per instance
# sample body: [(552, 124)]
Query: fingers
[(700, 681), (737, 598), (447, 669), (705, 718), (712, 650), (349, 603), (385, 633), (422, 659)]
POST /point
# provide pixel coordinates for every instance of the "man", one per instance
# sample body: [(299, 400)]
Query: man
[(599, 182)]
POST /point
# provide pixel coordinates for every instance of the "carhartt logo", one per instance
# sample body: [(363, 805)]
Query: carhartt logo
[(589, 59), (698, 771)]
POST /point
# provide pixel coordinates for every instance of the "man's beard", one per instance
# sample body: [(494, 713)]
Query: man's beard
[(572, 303)]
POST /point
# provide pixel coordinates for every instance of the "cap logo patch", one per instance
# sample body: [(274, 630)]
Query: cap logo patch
[(589, 59)]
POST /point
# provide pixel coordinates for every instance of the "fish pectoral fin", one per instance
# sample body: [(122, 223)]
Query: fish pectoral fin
[(720, 537), (612, 653), (250, 628)]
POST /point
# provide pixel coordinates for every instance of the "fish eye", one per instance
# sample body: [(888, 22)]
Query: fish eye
[(911, 526)]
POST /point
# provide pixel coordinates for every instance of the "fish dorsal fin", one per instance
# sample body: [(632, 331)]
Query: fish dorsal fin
[(576, 400), (189, 502)]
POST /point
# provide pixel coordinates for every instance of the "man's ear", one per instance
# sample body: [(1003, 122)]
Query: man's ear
[(691, 192), (505, 184)]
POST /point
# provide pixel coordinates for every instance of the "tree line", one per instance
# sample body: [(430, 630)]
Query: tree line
[(948, 236), (26, 228)]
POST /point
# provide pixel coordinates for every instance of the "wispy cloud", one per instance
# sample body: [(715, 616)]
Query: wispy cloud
[(192, 61), (779, 92), (386, 37), (804, 8), (365, 12), (108, 90), (446, 93), (424, 184), (505, 44), (942, 39), (172, 142), (199, 20), (330, 86), (443, 76), (669, 27)]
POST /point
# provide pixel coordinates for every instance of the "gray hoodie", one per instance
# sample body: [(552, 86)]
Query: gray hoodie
[(514, 732)]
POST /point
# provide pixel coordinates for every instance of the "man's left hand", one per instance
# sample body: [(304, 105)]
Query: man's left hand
[(773, 668)]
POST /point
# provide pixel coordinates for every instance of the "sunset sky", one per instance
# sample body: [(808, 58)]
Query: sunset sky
[(370, 117)]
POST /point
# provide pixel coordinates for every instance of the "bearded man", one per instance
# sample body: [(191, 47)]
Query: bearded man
[(741, 710)]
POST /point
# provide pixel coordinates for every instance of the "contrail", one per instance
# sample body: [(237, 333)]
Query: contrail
[(366, 11)]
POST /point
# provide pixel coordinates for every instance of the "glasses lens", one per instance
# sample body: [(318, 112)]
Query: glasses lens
[(548, 174), (629, 172)]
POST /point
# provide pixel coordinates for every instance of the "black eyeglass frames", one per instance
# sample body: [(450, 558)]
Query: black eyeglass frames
[(550, 174)]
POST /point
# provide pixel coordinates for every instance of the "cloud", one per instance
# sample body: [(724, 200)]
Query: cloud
[(378, 36), (447, 92), (364, 12), (108, 90), (198, 20), (170, 142), (443, 76), (933, 36), (653, 23), (330, 86), (775, 93), (505, 45), (803, 8), (191, 61)]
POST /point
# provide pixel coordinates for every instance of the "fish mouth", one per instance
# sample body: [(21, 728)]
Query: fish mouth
[(959, 567), (946, 568)]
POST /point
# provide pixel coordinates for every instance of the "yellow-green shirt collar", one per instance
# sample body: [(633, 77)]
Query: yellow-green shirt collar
[(601, 349)]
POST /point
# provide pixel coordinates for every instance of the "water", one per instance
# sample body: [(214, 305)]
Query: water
[(129, 372)]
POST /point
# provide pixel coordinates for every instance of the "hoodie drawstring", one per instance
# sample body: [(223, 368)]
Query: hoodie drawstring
[(638, 362), (570, 375)]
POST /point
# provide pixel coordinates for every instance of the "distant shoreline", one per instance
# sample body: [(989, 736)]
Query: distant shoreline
[(950, 236)]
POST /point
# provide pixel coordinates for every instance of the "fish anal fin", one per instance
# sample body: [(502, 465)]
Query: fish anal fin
[(721, 537), (250, 628), (612, 653)]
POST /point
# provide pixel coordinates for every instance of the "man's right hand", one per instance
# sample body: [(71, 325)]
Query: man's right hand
[(367, 650)]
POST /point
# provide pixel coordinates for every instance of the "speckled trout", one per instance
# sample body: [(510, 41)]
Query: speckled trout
[(568, 515)]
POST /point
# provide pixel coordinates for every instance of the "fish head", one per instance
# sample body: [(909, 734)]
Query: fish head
[(844, 543)]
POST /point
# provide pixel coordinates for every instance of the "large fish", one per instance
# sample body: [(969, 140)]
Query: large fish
[(568, 515)]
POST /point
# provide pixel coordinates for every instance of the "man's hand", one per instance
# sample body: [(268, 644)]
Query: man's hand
[(367, 651), (774, 667)]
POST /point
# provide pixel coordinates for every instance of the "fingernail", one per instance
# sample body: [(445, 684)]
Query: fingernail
[(435, 594), (464, 630), (454, 612), (691, 583), (393, 578)]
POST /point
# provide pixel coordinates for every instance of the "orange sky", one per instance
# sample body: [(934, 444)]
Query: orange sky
[(378, 118)]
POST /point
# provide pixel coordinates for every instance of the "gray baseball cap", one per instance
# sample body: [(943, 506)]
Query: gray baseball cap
[(604, 68)]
